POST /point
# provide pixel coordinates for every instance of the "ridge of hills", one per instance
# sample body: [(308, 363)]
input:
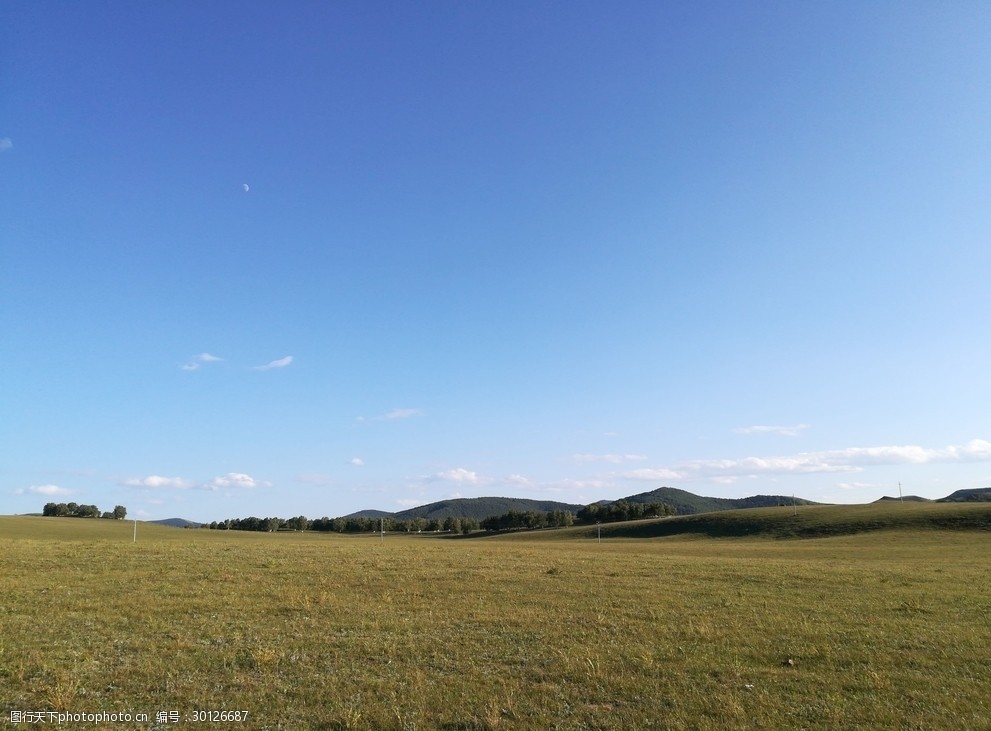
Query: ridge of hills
[(683, 502), (479, 508)]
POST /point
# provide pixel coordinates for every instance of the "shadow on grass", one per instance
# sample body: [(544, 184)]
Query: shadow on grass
[(809, 522)]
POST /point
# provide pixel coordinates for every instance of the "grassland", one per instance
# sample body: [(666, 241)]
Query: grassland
[(888, 629)]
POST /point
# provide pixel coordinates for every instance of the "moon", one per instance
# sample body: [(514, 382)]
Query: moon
[(246, 188)]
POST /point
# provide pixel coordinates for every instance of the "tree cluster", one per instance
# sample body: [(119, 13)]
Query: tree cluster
[(622, 510), (528, 519), (353, 524), (74, 510), (513, 520)]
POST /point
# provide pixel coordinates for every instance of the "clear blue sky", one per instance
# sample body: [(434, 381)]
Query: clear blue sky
[(310, 258)]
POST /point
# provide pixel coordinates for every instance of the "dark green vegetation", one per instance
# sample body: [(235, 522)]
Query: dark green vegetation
[(818, 521), (177, 523), (887, 629), (74, 510), (465, 515), (477, 508), (687, 503), (980, 494), (462, 515)]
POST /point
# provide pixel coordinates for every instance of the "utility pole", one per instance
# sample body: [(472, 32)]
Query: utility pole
[(900, 493)]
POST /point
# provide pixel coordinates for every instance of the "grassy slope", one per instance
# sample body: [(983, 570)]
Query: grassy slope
[(885, 630), (688, 503), (812, 521)]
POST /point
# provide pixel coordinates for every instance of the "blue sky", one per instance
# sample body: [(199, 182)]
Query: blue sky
[(263, 259)]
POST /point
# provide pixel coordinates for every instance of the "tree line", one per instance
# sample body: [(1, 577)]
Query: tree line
[(352, 524), (513, 520), (622, 510), (74, 510)]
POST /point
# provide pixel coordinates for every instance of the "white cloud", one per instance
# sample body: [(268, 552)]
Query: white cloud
[(459, 474), (280, 363), (613, 458), (237, 480), (850, 459), (49, 490), (519, 481), (357, 462), (658, 473), (197, 360), (401, 414), (784, 431), (862, 485), (393, 415), (5, 144), (157, 482), (409, 503), (569, 485)]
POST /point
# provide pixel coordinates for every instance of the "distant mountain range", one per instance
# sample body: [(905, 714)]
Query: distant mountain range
[(977, 494), (479, 508), (683, 502), (687, 503), (971, 495)]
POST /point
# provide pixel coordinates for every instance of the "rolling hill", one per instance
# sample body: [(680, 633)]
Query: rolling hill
[(687, 503), (684, 503), (176, 523), (478, 508), (977, 494), (817, 521)]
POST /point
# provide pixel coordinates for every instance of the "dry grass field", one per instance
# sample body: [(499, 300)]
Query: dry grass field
[(552, 630)]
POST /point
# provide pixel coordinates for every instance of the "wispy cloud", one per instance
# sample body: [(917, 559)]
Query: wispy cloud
[(612, 458), (157, 482), (519, 481), (862, 485), (656, 473), (232, 480), (357, 462), (235, 480), (462, 477), (196, 361), (280, 363), (459, 474), (47, 490), (5, 144), (850, 459), (784, 431), (393, 415)]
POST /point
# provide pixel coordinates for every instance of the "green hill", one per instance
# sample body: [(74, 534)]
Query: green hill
[(684, 503), (176, 523), (817, 521), (978, 494), (687, 503), (479, 508)]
